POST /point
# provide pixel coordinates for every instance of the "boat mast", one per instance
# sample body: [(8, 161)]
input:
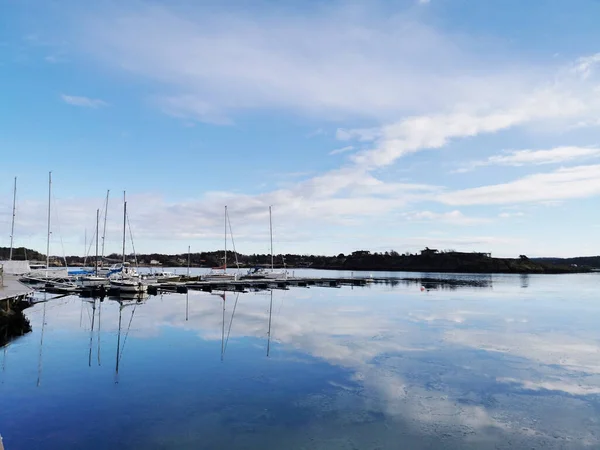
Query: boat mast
[(97, 225), (225, 255), (104, 229), (48, 237), (12, 227), (124, 231), (271, 231)]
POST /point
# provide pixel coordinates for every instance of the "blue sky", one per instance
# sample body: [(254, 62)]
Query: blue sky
[(367, 125)]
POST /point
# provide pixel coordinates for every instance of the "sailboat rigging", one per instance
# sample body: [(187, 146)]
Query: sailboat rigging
[(12, 226), (261, 272), (220, 273), (94, 280), (128, 281)]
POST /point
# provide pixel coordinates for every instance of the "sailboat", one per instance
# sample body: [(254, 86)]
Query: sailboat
[(11, 267), (220, 273), (263, 273), (128, 280), (95, 279), (43, 273)]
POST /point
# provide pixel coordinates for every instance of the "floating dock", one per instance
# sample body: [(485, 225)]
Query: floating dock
[(253, 285), (258, 284), (208, 286)]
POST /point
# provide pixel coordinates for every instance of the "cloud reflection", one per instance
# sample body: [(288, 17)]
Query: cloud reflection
[(458, 364)]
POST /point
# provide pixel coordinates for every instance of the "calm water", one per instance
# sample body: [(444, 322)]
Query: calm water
[(511, 362)]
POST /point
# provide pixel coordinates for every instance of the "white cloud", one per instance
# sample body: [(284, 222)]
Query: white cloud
[(339, 62), (557, 385), (83, 101), (342, 150), (435, 131), (562, 184), (317, 132), (584, 65), (403, 85), (535, 157), (452, 217), (53, 59), (508, 215), (341, 198)]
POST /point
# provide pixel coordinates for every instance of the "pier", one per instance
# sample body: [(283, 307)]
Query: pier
[(14, 297), (12, 291), (63, 287), (197, 283), (258, 284)]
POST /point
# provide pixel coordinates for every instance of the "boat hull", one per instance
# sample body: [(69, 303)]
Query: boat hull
[(128, 286), (221, 277)]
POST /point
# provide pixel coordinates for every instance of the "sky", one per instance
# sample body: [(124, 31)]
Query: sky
[(366, 125)]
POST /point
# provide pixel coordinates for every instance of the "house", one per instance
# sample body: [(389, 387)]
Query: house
[(429, 251)]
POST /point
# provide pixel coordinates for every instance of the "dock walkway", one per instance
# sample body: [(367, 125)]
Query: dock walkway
[(11, 289)]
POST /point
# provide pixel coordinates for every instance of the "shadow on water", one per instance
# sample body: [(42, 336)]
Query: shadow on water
[(444, 283), (13, 322)]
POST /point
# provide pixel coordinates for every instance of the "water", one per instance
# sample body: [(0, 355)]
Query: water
[(505, 362)]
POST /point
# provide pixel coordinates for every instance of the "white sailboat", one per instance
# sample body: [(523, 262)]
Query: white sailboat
[(128, 280), (263, 273), (9, 266), (220, 273), (95, 279), (43, 273)]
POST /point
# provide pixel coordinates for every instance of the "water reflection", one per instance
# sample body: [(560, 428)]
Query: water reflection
[(316, 368), (131, 301), (483, 281), (524, 280)]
